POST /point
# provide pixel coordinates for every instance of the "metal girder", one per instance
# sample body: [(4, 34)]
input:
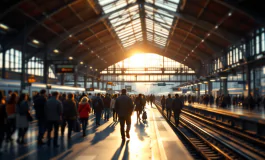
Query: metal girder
[(202, 24), (40, 20), (11, 8), (142, 17), (209, 44), (86, 24), (255, 16)]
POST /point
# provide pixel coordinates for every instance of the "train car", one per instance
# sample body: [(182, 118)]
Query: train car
[(97, 91), (15, 86)]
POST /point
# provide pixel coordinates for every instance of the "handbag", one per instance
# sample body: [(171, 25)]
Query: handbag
[(29, 117), (77, 127)]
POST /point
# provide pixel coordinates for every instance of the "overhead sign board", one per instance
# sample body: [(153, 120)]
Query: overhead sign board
[(161, 84), (110, 83), (90, 89), (64, 69)]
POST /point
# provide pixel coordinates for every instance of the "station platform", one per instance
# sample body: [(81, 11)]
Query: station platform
[(153, 139), (257, 113)]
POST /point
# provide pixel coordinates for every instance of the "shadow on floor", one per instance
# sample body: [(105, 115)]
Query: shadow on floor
[(99, 136), (119, 152)]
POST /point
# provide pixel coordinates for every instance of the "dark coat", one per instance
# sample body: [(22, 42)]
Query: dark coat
[(39, 105), (107, 101), (3, 115), (177, 105), (169, 102), (124, 106), (70, 109), (138, 104), (100, 106)]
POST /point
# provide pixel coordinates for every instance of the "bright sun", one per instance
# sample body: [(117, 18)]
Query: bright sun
[(138, 60)]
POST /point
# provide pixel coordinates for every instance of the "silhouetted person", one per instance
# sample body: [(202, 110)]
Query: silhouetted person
[(124, 108), (98, 107), (163, 103), (138, 106), (107, 101), (169, 102), (11, 113), (70, 113), (53, 112), (39, 105), (177, 105), (3, 119)]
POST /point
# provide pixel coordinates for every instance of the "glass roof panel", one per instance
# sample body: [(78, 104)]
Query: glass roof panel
[(127, 23)]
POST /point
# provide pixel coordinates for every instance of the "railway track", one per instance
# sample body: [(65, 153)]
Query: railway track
[(206, 140)]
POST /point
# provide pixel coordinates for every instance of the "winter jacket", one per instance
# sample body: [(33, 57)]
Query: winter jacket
[(98, 104), (53, 109), (70, 109), (84, 110), (177, 105), (39, 105), (124, 106), (107, 101), (169, 102)]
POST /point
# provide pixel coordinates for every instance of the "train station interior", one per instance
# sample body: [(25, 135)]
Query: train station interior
[(196, 67)]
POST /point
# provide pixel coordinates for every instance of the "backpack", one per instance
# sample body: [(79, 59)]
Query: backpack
[(96, 103)]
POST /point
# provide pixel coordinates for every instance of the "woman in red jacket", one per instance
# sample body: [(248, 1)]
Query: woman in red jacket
[(84, 110)]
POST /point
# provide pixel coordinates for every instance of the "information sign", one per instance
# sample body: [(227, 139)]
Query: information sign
[(128, 88), (64, 69)]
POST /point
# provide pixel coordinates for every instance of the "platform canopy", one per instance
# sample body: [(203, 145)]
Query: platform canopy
[(100, 33)]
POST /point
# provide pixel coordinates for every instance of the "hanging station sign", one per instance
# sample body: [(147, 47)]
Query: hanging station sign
[(64, 69)]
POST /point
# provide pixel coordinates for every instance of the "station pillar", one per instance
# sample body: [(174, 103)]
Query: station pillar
[(92, 80), (198, 92), (98, 84), (3, 63), (224, 89), (46, 67), (247, 78), (85, 81), (75, 79), (210, 88), (62, 78)]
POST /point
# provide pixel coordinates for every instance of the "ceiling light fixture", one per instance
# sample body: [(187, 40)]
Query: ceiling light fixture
[(192, 51), (70, 58), (56, 51), (4, 26), (70, 36), (208, 34), (230, 14), (35, 41), (216, 27), (90, 67), (81, 63), (92, 51), (81, 43), (203, 40)]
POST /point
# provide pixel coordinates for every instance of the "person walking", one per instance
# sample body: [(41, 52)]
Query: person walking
[(3, 119), (169, 102), (107, 101), (11, 113), (39, 105), (163, 103), (98, 107), (138, 106), (70, 113), (112, 105), (84, 109), (63, 121), (177, 105), (22, 122), (53, 112), (124, 107)]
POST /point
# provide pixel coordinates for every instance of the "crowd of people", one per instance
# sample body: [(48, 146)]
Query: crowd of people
[(55, 111)]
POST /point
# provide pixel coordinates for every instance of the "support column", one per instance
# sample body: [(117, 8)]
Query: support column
[(199, 92), (85, 81), (98, 84), (75, 79), (210, 88), (224, 83), (92, 80), (23, 61), (248, 79), (62, 78), (46, 67), (102, 87), (3, 63)]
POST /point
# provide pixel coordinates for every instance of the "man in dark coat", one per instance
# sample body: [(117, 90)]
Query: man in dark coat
[(98, 107), (124, 107), (39, 105), (177, 105)]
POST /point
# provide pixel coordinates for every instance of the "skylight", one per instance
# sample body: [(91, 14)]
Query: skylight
[(127, 23)]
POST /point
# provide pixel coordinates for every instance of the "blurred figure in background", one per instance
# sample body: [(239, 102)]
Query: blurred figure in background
[(98, 107), (22, 122), (11, 113), (169, 102), (3, 119), (112, 105), (163, 102)]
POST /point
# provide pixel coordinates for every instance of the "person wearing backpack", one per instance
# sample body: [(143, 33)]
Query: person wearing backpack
[(11, 113), (107, 101), (98, 107), (124, 107), (84, 110)]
